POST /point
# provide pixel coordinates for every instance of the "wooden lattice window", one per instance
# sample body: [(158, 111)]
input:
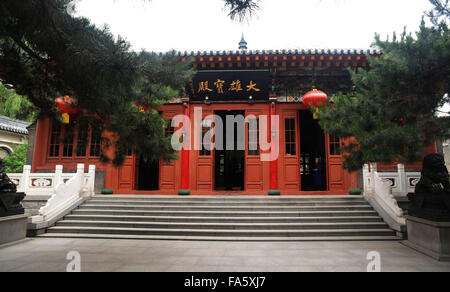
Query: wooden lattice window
[(253, 137), (68, 142), (169, 129), (82, 141), (335, 145), (72, 141), (55, 141), (96, 142), (290, 135)]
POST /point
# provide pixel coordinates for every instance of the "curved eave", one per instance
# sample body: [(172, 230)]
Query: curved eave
[(281, 52), (289, 59), (14, 130)]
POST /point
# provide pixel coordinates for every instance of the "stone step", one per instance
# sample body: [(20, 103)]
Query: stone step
[(219, 238), (224, 208), (225, 213), (223, 226), (227, 203), (226, 219), (224, 233), (238, 198)]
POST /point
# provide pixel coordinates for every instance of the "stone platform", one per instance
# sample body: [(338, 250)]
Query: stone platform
[(429, 237), (13, 228)]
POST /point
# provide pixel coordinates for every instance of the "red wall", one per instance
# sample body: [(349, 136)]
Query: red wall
[(201, 170)]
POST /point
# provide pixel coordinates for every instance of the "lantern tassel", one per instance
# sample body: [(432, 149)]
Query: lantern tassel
[(316, 116), (65, 118)]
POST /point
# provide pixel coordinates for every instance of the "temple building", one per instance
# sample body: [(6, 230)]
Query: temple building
[(256, 85)]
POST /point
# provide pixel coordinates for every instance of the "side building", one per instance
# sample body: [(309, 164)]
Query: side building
[(12, 134)]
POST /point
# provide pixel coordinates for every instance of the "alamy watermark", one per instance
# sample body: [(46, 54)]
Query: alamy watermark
[(209, 134), (374, 259), (74, 264)]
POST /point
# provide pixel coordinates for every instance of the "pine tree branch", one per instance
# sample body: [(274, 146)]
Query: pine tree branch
[(29, 51), (442, 8), (241, 8)]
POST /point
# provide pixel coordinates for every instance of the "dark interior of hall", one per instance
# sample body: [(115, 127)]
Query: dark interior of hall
[(147, 175), (312, 153), (229, 164)]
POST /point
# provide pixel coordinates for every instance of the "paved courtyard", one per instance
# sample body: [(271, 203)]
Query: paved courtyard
[(42, 255)]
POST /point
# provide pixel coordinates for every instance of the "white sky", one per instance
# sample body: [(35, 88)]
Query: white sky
[(199, 25), (203, 25)]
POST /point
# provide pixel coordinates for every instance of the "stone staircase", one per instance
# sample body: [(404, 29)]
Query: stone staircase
[(225, 218)]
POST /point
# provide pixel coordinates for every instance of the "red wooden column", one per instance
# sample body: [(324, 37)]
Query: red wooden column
[(184, 151), (43, 131), (274, 160)]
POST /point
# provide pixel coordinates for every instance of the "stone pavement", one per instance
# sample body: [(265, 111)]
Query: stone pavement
[(42, 255)]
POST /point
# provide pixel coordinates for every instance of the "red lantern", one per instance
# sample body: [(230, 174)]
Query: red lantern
[(142, 107), (66, 105), (315, 97)]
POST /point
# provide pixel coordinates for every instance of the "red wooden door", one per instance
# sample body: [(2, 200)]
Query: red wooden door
[(289, 137), (168, 169), (125, 174), (136, 172), (205, 159), (168, 175), (336, 174), (253, 163)]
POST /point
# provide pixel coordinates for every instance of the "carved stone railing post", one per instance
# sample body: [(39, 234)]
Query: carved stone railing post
[(80, 168), (402, 181), (58, 175), (373, 170), (25, 180), (373, 167), (89, 189), (80, 174), (367, 179)]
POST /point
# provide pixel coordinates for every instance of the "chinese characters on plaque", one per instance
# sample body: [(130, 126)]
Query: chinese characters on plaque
[(230, 85), (236, 86)]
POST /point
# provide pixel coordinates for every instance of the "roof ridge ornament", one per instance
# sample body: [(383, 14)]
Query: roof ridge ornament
[(242, 43)]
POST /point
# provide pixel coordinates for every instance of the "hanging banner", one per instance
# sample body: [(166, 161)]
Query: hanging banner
[(230, 85)]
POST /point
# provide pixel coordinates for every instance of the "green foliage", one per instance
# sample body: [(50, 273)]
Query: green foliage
[(45, 52), (15, 106), (392, 114), (440, 12), (15, 162)]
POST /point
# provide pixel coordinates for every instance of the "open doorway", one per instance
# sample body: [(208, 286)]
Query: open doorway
[(312, 153), (229, 164), (147, 175)]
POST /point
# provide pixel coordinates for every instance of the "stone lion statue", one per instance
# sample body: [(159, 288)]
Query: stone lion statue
[(6, 185), (435, 176)]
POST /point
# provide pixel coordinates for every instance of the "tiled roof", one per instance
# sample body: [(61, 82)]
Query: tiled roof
[(13, 125), (281, 52)]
